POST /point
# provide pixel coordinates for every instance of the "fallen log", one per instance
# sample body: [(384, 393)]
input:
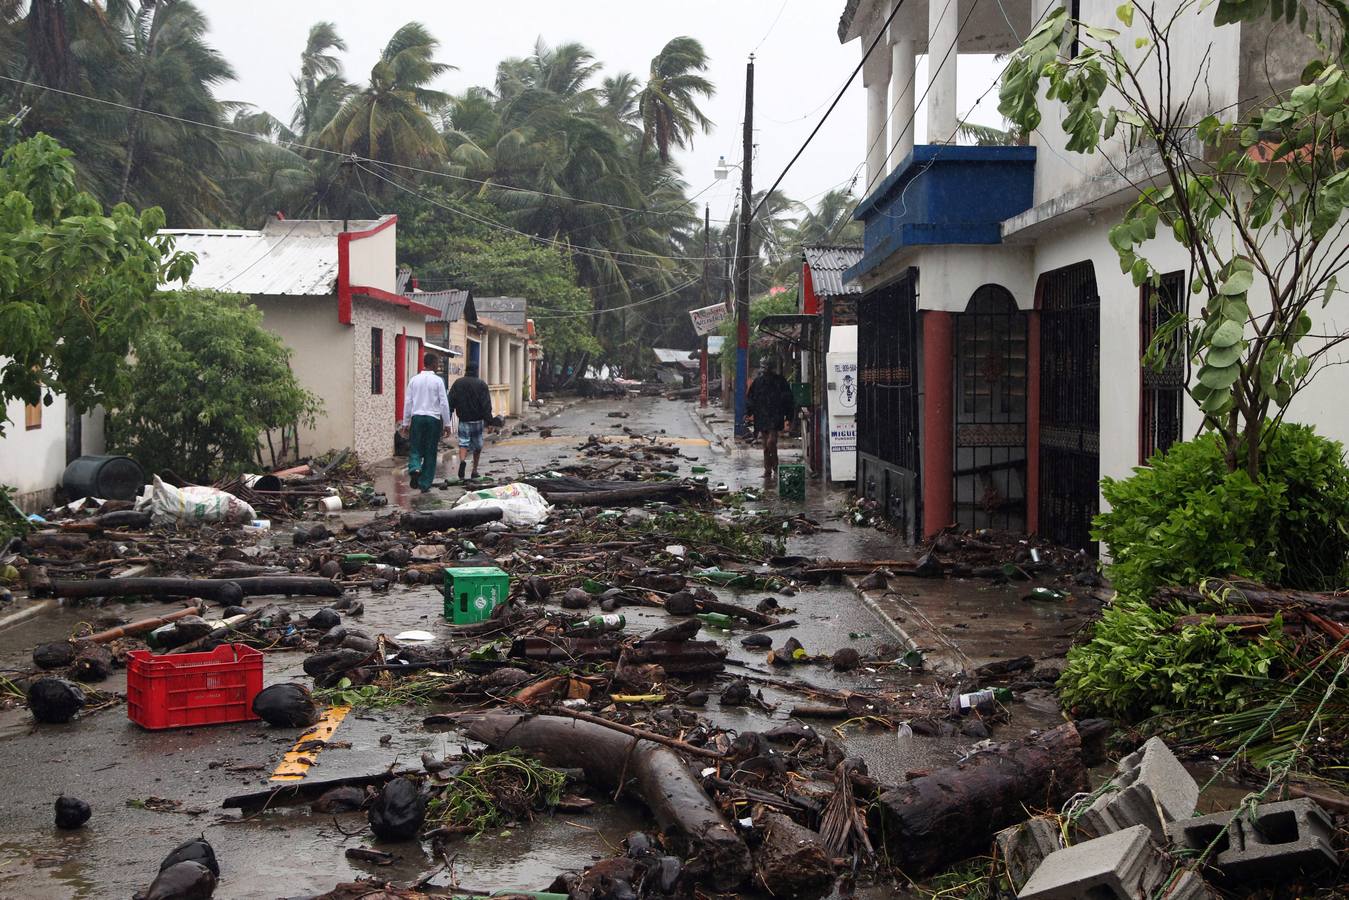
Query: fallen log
[(673, 743), (790, 860), (306, 790), (564, 649), (53, 540), (289, 585), (36, 579), (952, 813), (697, 829), (1261, 599), (226, 593), (122, 518), (444, 519), (677, 657), (565, 492), (142, 626)]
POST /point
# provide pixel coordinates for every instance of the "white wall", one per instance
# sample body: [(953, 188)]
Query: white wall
[(1194, 38), (31, 461), (372, 260), (321, 350), (948, 275)]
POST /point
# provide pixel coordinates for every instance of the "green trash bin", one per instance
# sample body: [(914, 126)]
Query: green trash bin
[(472, 592), (791, 481)]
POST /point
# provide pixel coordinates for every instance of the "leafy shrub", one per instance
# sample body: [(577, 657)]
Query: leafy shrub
[(208, 382), (1135, 665), (1185, 517)]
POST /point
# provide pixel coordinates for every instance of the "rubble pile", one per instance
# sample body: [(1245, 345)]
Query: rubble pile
[(564, 705)]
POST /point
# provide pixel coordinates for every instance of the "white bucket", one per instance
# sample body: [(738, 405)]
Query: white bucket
[(331, 504)]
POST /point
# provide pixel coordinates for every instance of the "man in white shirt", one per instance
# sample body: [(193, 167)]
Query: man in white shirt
[(426, 417)]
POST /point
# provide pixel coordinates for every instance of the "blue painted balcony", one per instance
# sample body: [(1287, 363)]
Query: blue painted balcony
[(945, 194)]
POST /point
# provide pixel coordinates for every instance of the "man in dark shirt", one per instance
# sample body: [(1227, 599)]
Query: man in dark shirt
[(470, 399), (772, 406)]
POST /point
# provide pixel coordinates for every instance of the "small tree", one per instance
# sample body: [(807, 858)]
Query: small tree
[(75, 285), (207, 383), (1255, 197)]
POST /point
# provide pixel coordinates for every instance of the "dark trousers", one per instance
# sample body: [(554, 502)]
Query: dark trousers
[(423, 449)]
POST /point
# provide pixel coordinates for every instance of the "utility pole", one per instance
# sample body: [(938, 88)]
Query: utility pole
[(743, 256), (702, 359)]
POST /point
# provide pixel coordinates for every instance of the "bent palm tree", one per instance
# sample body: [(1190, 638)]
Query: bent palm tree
[(390, 119), (668, 103), (320, 89)]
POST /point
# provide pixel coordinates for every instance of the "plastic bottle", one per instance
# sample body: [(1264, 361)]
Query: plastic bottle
[(606, 622), (982, 700), (715, 619)]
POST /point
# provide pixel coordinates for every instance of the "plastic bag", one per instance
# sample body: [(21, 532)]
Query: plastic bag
[(286, 706), (398, 812), (193, 504), (520, 504)]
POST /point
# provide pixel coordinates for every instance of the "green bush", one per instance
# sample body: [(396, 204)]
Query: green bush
[(208, 382), (1136, 666), (1185, 517)]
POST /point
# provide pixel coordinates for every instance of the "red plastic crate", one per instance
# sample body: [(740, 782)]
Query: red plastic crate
[(187, 689)]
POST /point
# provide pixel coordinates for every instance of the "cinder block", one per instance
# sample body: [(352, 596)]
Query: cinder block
[(1124, 865), (1023, 847), (1277, 840), (1151, 788), (1189, 886)]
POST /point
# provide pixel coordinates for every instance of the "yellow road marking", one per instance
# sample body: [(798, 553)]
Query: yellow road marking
[(295, 765)]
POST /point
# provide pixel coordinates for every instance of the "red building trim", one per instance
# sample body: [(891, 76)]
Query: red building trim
[(345, 290), (938, 459), (383, 296), (400, 373), (1033, 412), (810, 301)]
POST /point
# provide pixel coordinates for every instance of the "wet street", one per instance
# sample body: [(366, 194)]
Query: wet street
[(152, 790)]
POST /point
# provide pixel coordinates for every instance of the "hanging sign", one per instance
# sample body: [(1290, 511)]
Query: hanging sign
[(707, 319)]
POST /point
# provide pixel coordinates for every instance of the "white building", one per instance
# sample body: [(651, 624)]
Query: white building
[(33, 449), (999, 343), (327, 288)]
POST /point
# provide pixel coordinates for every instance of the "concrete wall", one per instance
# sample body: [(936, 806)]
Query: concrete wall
[(950, 274), (374, 419), (320, 349), (372, 260), (32, 460)]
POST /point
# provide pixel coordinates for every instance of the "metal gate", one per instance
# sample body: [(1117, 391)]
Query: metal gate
[(1070, 405), (990, 412), (887, 401), (1162, 396)]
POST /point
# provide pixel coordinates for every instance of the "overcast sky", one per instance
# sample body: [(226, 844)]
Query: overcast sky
[(799, 66)]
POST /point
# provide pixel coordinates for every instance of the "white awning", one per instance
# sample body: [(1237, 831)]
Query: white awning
[(436, 348)]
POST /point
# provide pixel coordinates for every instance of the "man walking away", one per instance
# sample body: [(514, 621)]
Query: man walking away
[(470, 398), (771, 405), (426, 414)]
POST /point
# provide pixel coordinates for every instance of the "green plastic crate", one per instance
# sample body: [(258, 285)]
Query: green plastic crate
[(791, 481), (472, 592)]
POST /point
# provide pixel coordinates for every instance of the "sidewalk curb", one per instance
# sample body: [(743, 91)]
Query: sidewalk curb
[(28, 612), (946, 659)]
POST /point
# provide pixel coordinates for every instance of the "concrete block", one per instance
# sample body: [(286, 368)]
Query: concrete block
[(1276, 841), (1124, 865), (1151, 788), (1023, 847), (1189, 886)]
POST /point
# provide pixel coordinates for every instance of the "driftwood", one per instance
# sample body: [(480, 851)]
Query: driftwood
[(952, 813), (142, 626), (697, 828), (790, 860), (564, 649), (1264, 599), (638, 733), (443, 519), (678, 657), (226, 592), (36, 579), (290, 792), (578, 492), (121, 518), (53, 540)]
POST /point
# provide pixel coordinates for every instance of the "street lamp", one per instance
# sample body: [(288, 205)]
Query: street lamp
[(722, 170)]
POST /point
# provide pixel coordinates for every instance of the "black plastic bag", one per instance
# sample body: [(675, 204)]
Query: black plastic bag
[(286, 706), (398, 812), (71, 812), (55, 655), (197, 850), (54, 700), (324, 619), (182, 881)]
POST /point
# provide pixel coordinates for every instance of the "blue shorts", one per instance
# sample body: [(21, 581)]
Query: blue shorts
[(470, 435)]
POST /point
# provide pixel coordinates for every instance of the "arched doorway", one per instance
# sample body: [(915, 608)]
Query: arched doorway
[(989, 468)]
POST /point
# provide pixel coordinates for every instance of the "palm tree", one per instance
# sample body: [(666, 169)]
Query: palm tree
[(831, 221), (390, 119), (669, 107), (320, 89)]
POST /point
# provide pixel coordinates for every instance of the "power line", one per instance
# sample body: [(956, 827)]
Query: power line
[(820, 124), (294, 144)]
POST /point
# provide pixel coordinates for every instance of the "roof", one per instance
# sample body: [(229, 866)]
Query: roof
[(827, 264), (667, 356), (509, 311), (295, 258), (450, 306)]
